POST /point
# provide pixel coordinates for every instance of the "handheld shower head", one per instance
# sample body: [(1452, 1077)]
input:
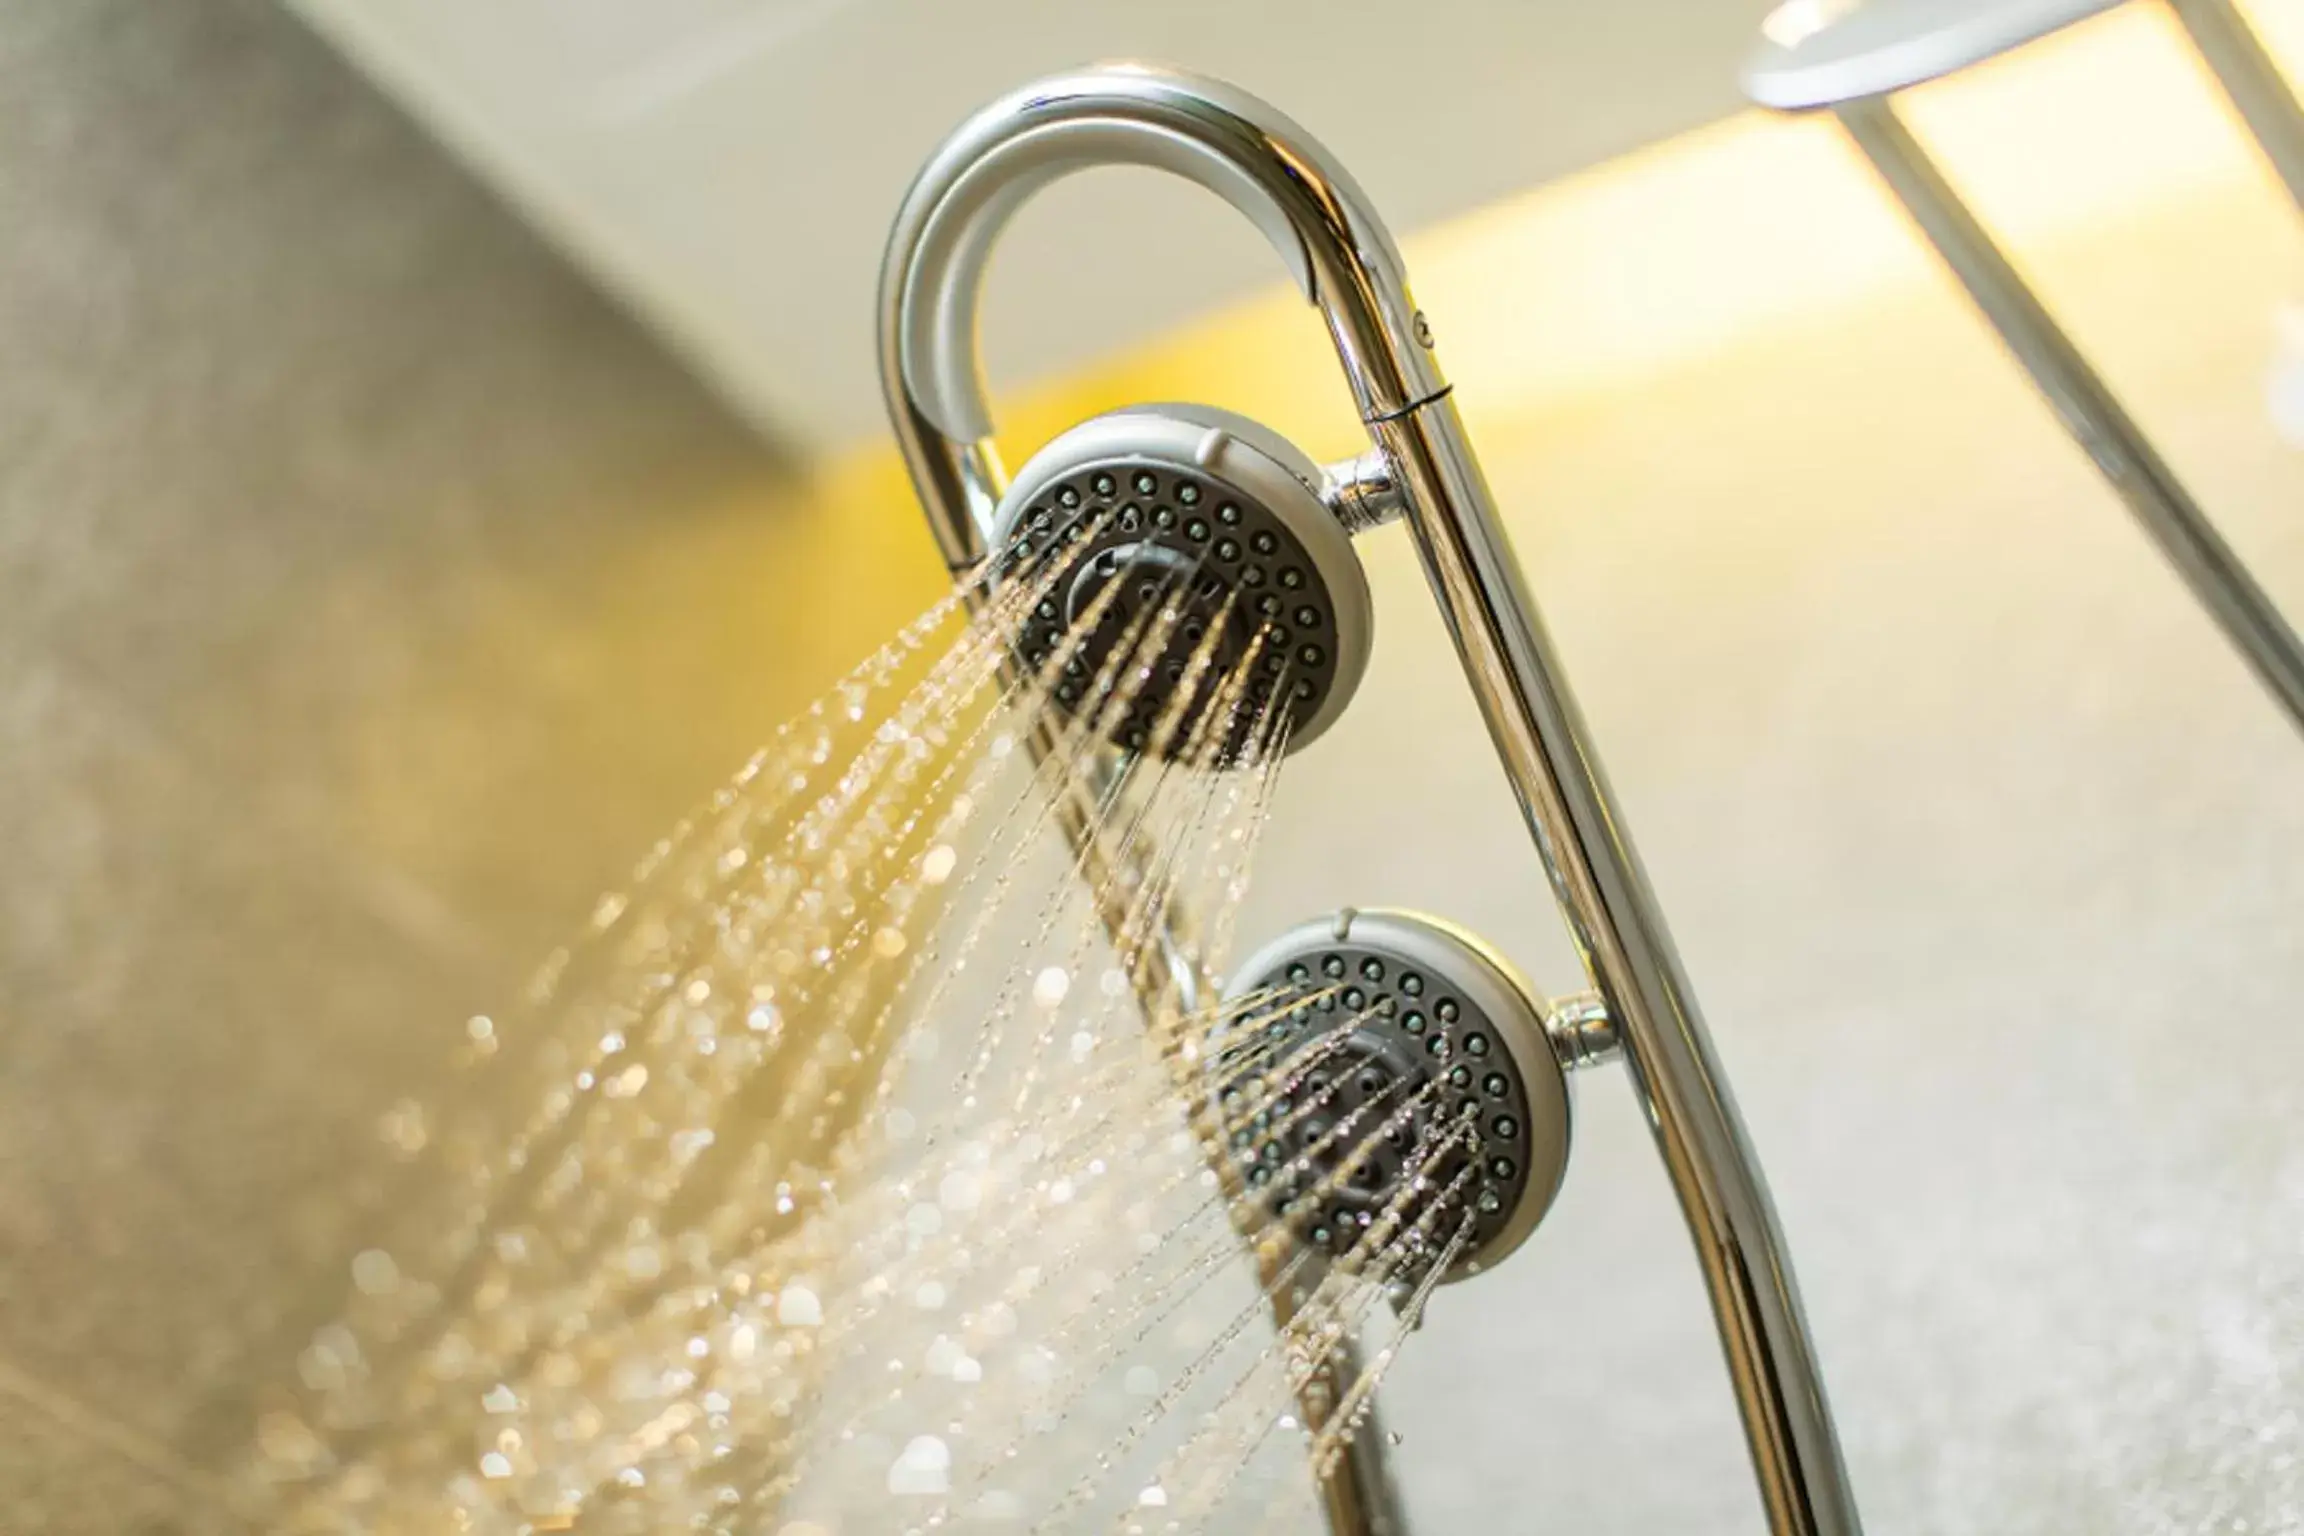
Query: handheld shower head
[(1419, 1086), (1215, 517)]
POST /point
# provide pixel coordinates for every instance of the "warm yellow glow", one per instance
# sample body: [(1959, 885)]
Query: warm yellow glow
[(1596, 283)]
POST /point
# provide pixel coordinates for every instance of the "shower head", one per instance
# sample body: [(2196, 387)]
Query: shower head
[(1219, 522), (1407, 1076)]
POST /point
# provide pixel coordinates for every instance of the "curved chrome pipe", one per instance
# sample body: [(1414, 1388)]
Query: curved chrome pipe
[(1204, 131), (1346, 264)]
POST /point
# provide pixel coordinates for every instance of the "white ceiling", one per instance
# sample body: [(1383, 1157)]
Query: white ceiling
[(730, 166)]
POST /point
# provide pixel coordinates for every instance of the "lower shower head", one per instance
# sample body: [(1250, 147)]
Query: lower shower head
[(1208, 512), (1432, 1055)]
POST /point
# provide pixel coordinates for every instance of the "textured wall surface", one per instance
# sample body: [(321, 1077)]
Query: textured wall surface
[(370, 594)]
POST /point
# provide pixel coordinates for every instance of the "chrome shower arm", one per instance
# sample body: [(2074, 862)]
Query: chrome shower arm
[(1347, 266), (1264, 165)]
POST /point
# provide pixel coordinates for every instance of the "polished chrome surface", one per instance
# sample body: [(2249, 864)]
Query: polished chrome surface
[(1581, 1031), (1349, 268), (1362, 493), (2253, 82), (1122, 114), (2096, 420)]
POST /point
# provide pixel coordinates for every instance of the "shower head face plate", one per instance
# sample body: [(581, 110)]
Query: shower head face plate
[(1210, 516), (1431, 1055)]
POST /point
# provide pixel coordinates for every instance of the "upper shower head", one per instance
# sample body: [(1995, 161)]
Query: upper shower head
[(1411, 1071), (1197, 549)]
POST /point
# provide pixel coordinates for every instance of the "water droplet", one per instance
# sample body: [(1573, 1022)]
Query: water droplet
[(495, 1464), (937, 863), (1049, 987), (888, 943), (943, 1355), (1154, 1497), (797, 1307), (288, 1439), (924, 1468), (375, 1273), (500, 1399)]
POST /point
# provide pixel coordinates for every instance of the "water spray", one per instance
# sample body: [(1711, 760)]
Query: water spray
[(1134, 504)]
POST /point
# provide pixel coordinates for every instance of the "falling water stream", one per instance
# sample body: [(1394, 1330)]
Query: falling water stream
[(873, 1166)]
